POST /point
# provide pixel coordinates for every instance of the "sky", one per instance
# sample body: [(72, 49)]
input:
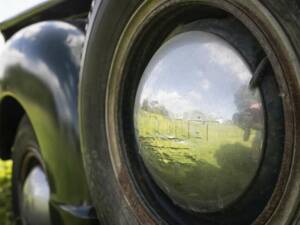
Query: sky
[(9, 8)]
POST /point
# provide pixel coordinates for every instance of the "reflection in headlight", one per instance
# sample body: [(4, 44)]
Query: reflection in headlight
[(199, 126)]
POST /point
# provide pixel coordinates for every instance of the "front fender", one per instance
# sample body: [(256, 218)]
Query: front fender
[(40, 68)]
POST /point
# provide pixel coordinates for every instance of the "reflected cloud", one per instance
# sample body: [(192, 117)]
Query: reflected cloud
[(205, 84), (29, 33), (50, 51), (227, 59), (171, 100), (208, 69)]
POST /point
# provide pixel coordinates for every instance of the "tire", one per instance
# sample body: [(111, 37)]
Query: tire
[(121, 39), (26, 156)]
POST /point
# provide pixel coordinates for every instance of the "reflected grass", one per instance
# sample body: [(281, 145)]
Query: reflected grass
[(198, 164), (5, 193)]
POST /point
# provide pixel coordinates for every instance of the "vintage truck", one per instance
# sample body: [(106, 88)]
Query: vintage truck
[(147, 112)]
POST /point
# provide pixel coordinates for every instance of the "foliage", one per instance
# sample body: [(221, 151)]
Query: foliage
[(5, 193), (155, 107)]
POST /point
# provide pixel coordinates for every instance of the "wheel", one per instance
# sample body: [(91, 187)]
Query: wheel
[(189, 112), (30, 187)]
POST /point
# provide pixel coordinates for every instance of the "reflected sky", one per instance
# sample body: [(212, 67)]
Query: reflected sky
[(14, 7), (55, 65), (193, 71)]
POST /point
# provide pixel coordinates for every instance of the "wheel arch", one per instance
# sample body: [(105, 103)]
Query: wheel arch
[(11, 113)]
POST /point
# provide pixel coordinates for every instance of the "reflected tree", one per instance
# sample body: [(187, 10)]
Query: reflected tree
[(155, 107)]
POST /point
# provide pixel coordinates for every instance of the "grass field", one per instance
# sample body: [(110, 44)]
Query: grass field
[(199, 161), (5, 193)]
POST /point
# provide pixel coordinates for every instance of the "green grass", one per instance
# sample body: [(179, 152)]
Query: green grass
[(200, 161), (5, 193)]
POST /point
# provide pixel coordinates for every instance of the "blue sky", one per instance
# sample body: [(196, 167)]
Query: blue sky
[(13, 7)]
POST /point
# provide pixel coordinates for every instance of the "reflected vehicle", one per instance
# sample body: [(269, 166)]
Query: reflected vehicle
[(194, 113)]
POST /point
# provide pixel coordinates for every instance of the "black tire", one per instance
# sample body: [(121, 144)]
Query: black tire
[(25, 156), (122, 37)]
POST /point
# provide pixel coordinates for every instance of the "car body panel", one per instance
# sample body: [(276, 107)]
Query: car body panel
[(39, 68)]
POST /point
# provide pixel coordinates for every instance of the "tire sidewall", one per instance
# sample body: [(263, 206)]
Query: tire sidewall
[(110, 16)]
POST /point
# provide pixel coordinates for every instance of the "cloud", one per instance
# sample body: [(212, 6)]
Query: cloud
[(205, 84), (29, 33)]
